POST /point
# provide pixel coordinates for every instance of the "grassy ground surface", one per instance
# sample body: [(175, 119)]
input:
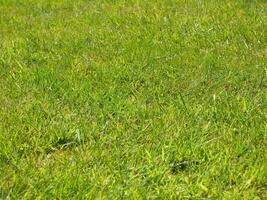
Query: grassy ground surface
[(133, 99)]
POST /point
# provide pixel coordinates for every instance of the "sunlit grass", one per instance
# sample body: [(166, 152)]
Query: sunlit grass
[(133, 99)]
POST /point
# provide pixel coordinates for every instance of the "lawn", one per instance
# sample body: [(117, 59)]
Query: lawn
[(133, 99)]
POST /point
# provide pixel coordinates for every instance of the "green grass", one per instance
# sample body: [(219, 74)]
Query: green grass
[(162, 99)]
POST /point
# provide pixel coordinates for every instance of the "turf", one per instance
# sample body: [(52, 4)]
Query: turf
[(162, 99)]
